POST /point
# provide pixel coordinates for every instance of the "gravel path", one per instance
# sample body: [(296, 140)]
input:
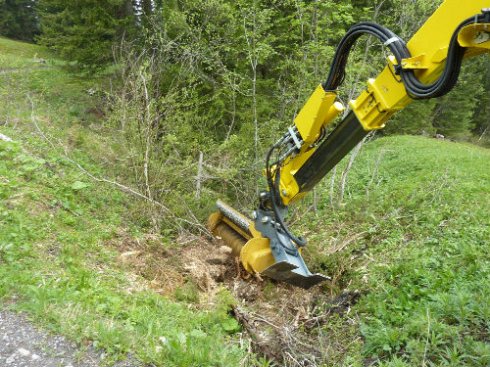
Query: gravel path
[(23, 345)]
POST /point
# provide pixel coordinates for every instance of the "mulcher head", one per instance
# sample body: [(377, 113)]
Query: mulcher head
[(262, 247)]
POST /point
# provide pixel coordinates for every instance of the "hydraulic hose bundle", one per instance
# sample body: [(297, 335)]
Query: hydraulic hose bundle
[(415, 88)]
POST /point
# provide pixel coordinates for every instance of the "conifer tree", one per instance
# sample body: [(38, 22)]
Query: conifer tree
[(18, 19), (453, 114), (86, 30), (481, 116)]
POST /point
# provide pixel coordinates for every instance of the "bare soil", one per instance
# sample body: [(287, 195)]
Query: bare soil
[(286, 324)]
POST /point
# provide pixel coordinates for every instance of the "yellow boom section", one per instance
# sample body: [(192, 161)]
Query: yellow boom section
[(386, 94), (429, 46)]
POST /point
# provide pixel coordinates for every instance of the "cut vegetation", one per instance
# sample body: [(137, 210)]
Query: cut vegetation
[(406, 247)]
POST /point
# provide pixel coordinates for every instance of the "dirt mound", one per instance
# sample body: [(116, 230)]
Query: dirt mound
[(292, 326), (288, 325), (167, 268)]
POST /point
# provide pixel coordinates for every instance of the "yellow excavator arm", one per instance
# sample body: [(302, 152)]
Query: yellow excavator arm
[(425, 67)]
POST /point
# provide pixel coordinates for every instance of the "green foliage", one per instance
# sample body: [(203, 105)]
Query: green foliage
[(56, 223), (230, 91), (481, 116), (416, 242), (212, 47), (84, 31), (226, 91), (18, 19), (416, 119), (225, 78), (453, 114), (188, 293)]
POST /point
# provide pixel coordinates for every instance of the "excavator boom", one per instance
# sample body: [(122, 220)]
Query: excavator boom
[(426, 67)]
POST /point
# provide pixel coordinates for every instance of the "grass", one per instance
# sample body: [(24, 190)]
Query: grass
[(411, 234), (418, 211), (16, 54), (55, 262), (432, 304)]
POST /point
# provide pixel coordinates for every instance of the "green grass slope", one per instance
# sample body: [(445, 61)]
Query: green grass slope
[(411, 235), (56, 222), (414, 236), (434, 300)]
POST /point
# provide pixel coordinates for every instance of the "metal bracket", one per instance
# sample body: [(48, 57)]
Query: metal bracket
[(295, 138), (415, 63), (289, 266)]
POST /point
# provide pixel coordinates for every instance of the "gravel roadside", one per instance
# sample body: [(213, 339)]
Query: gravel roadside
[(23, 345)]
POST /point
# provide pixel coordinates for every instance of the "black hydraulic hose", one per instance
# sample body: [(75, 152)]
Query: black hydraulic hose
[(337, 71), (415, 88), (452, 69)]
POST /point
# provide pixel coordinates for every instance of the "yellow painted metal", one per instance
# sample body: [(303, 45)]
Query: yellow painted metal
[(416, 62), (333, 112), (256, 255), (249, 245), (288, 187), (312, 127), (313, 115), (386, 94), (475, 36), (231, 238), (217, 218)]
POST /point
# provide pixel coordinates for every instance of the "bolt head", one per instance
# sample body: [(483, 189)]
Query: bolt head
[(254, 215), (265, 219)]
